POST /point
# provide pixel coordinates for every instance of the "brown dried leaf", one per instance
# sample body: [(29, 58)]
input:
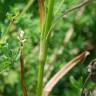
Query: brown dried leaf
[(63, 71)]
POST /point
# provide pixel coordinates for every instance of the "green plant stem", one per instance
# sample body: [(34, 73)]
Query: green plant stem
[(60, 6), (44, 47), (42, 60), (49, 18), (29, 4), (3, 39)]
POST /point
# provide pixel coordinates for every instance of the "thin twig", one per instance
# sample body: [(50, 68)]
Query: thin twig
[(49, 86)]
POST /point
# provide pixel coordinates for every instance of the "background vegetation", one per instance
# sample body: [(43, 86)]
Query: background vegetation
[(72, 35)]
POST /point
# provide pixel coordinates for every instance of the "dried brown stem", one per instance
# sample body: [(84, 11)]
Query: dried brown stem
[(49, 86), (22, 74), (41, 11)]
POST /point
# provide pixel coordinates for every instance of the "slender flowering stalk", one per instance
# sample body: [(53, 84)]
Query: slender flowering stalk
[(21, 38)]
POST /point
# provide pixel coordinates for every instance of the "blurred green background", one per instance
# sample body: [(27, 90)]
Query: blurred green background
[(75, 33)]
